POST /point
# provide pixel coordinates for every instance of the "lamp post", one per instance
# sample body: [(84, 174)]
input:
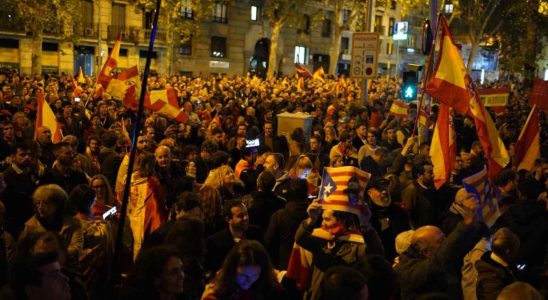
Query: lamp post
[(99, 56)]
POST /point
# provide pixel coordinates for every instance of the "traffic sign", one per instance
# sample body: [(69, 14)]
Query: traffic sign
[(365, 52)]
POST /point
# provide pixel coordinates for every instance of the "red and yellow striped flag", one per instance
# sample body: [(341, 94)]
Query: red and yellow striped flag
[(398, 109), (451, 84), (104, 77), (443, 149), (528, 144), (46, 118)]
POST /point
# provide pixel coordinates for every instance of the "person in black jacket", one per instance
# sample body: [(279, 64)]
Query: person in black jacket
[(203, 161), (431, 261), (497, 269), (265, 202), (280, 234), (370, 164), (238, 229), (387, 218), (62, 172), (20, 184)]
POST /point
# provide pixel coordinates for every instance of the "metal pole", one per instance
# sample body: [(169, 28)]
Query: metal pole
[(99, 37), (367, 28), (136, 128), (397, 46)]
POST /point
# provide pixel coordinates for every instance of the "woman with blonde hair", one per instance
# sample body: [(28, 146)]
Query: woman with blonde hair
[(304, 169), (224, 180)]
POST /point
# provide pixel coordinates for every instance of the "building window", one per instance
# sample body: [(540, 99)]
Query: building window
[(301, 55), (143, 54), (393, 4), (186, 9), (87, 9), (118, 16), (9, 43), (254, 13), (218, 46), (304, 25), (326, 28), (148, 19), (391, 24), (378, 25), (345, 45), (123, 51), (219, 13), (53, 47), (186, 47)]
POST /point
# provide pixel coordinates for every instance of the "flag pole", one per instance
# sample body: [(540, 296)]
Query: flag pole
[(427, 75), (125, 199)]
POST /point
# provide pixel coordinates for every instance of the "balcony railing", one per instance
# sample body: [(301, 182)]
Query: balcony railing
[(10, 24), (139, 35), (114, 31), (87, 30)]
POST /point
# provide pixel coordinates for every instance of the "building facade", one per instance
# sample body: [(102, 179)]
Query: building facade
[(234, 40)]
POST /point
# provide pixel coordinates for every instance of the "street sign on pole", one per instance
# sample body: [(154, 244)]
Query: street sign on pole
[(365, 52)]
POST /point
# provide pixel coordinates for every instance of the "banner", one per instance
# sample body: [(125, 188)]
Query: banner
[(494, 97)]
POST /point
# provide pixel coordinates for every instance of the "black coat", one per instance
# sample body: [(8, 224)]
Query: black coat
[(492, 277), (421, 275), (397, 223), (280, 234), (17, 197), (67, 182), (219, 244), (369, 165), (264, 204)]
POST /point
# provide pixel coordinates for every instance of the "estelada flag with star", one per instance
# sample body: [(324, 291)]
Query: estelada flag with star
[(343, 188)]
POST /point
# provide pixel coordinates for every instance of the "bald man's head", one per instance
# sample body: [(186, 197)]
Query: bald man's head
[(427, 239), (43, 135), (163, 156)]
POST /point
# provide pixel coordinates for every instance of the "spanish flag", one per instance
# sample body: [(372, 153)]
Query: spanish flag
[(528, 144), (450, 84), (443, 149), (319, 74), (103, 79), (398, 109), (46, 118), (165, 102), (126, 86)]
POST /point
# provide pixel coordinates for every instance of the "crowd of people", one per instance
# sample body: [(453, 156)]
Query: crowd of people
[(212, 214)]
